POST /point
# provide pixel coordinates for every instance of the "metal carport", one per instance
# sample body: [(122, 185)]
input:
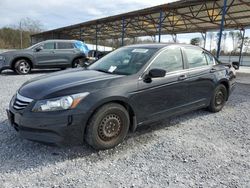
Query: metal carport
[(185, 16)]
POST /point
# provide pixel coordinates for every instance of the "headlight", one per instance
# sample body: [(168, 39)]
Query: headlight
[(2, 58), (60, 103)]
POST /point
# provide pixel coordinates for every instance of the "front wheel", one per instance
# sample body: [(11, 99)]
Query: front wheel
[(108, 127), (218, 99), (22, 66)]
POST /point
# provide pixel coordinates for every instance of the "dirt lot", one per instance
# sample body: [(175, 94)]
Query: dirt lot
[(198, 149)]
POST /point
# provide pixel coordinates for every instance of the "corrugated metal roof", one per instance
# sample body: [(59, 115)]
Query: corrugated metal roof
[(185, 16)]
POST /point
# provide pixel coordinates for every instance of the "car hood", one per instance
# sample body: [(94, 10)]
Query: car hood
[(10, 52), (65, 83)]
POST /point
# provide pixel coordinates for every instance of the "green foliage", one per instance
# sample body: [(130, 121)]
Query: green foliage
[(195, 41), (10, 37)]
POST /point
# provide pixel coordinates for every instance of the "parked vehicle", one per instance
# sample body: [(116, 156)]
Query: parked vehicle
[(47, 54), (129, 87)]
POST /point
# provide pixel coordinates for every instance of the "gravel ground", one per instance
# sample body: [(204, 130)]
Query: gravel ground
[(198, 149)]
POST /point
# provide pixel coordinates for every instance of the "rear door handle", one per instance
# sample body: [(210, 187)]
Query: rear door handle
[(183, 77)]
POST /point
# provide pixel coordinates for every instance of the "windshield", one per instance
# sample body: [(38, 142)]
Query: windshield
[(124, 61)]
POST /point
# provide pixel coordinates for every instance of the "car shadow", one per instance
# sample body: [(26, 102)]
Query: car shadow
[(20, 154), (34, 71)]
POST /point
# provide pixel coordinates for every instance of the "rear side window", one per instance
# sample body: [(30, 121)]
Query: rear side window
[(49, 46), (195, 57), (169, 60), (210, 59), (64, 45)]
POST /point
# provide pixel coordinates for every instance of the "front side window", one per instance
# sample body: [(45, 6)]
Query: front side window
[(195, 57), (124, 61), (49, 46), (170, 60), (64, 45)]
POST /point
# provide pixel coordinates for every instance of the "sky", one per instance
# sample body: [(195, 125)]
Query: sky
[(58, 13)]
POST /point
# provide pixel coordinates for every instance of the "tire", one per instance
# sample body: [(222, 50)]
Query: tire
[(22, 67), (77, 63), (108, 127), (219, 99)]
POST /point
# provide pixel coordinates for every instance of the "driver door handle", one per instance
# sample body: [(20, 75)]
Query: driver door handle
[(183, 77), (213, 70)]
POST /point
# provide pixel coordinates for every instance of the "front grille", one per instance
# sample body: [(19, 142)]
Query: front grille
[(21, 102)]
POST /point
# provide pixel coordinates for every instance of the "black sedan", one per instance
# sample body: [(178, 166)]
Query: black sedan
[(129, 87)]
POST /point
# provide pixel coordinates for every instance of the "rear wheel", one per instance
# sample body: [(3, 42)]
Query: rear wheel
[(108, 127), (218, 99), (77, 63), (22, 66)]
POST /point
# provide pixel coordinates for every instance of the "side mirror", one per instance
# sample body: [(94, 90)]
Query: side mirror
[(154, 73), (157, 73), (236, 65), (38, 49)]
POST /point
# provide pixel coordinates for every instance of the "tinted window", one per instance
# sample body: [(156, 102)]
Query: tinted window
[(64, 45), (49, 45), (195, 57), (169, 60), (210, 59)]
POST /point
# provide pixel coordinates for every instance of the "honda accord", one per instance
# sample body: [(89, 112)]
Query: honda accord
[(129, 87)]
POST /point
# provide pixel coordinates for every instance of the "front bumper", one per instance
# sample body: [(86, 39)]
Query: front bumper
[(50, 128)]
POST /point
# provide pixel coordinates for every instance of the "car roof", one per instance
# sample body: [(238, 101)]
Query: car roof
[(61, 40), (161, 45)]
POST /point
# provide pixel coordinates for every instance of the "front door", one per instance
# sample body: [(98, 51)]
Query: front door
[(162, 96), (46, 56)]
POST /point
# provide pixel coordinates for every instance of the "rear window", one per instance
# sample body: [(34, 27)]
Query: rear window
[(195, 57), (64, 45)]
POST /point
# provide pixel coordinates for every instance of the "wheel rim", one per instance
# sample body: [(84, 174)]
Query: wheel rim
[(24, 67), (219, 98), (77, 63), (110, 127)]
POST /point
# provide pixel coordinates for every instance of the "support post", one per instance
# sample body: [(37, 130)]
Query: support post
[(204, 36), (242, 32), (80, 35), (174, 36), (21, 35), (160, 26), (222, 27), (31, 40), (123, 30), (96, 37)]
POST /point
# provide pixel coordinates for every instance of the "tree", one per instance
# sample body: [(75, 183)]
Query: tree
[(247, 44), (211, 38), (17, 36), (195, 41), (236, 39)]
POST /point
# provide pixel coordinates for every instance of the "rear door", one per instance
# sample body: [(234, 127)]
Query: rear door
[(65, 53), (200, 76), (163, 96)]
